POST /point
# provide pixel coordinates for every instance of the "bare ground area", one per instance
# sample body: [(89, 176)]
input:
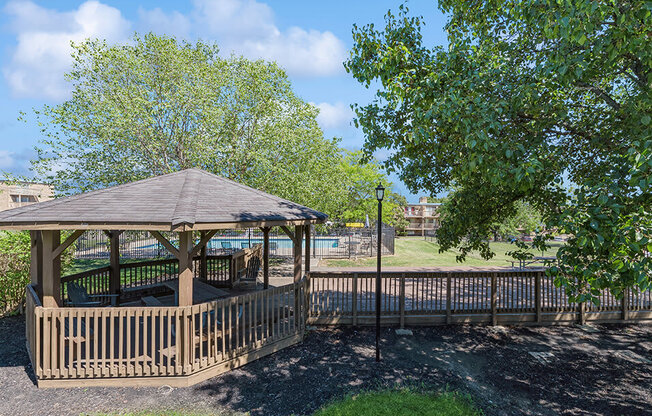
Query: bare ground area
[(586, 374)]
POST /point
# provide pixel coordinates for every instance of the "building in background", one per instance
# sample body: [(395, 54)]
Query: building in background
[(422, 217), (18, 194)]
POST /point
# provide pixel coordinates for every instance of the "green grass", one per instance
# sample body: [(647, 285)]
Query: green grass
[(416, 252), (81, 265), (400, 403)]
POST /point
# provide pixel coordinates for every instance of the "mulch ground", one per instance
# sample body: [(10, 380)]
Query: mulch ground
[(587, 373)]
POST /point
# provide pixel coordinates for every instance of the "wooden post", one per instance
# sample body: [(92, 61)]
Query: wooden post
[(537, 295), (625, 305), (36, 266), (449, 293), (307, 259), (266, 257), (203, 261), (494, 299), (401, 301), (582, 313), (114, 258), (354, 303), (185, 269), (51, 269), (298, 235)]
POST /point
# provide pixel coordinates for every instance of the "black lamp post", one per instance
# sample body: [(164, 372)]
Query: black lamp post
[(380, 193)]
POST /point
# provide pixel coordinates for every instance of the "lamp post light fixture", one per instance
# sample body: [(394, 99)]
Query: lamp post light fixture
[(380, 193)]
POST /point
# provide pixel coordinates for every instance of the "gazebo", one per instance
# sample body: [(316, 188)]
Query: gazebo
[(145, 344)]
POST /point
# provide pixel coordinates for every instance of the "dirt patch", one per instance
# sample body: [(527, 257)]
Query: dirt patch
[(583, 375)]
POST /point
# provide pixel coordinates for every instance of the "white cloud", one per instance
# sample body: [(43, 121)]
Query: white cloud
[(336, 115), (172, 24), (42, 52), (247, 27)]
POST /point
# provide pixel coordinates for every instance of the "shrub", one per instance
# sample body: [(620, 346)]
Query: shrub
[(15, 250)]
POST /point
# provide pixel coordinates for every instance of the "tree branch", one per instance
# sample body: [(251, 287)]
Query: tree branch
[(600, 92)]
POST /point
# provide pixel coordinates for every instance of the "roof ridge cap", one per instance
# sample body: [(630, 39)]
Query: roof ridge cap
[(185, 210)]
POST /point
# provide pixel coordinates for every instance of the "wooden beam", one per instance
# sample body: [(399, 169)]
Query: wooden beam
[(307, 259), (36, 266), (265, 256), (71, 239), (114, 258), (51, 270), (185, 269), (298, 231), (203, 260), (146, 226), (172, 249), (206, 237), (289, 233)]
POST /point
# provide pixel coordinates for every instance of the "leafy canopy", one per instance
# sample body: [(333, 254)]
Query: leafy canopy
[(538, 101), (362, 177), (157, 105)]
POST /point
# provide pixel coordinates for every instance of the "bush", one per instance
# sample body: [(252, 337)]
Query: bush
[(15, 255)]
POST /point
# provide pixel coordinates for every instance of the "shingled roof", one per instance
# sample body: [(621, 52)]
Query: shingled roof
[(191, 199)]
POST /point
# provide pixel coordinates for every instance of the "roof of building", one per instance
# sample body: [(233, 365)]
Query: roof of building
[(424, 204), (191, 199)]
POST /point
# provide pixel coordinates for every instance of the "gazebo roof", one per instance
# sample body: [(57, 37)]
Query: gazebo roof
[(191, 199)]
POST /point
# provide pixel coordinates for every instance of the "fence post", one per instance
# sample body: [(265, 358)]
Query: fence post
[(625, 306), (494, 298), (582, 313), (354, 303), (449, 293), (401, 300), (537, 295)]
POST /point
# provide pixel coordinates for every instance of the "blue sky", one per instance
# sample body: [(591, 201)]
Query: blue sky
[(310, 39)]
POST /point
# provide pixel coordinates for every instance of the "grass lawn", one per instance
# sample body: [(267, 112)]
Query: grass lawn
[(81, 265), (417, 252), (400, 403)]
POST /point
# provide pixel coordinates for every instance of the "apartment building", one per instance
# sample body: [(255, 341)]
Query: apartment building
[(14, 195), (422, 217)]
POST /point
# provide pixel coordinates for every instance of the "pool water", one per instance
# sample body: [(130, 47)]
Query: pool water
[(280, 242), (237, 242)]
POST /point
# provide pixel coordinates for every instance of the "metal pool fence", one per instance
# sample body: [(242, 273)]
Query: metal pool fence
[(333, 243)]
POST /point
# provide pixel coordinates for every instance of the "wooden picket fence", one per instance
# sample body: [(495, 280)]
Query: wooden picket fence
[(180, 346), (161, 345), (432, 298)]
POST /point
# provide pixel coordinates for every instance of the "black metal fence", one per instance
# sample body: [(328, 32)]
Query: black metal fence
[(332, 243)]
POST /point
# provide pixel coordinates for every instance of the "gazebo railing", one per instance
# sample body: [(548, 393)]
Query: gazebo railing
[(150, 273), (85, 344)]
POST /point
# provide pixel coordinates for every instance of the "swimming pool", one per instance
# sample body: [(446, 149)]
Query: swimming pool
[(283, 243), (280, 242)]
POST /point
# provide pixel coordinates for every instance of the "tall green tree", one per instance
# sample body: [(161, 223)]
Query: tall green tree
[(539, 101), (526, 220), (157, 105), (361, 177)]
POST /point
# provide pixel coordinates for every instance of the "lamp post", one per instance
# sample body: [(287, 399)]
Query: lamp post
[(380, 193)]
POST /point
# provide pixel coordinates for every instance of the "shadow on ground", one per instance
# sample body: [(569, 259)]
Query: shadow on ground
[(584, 375)]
